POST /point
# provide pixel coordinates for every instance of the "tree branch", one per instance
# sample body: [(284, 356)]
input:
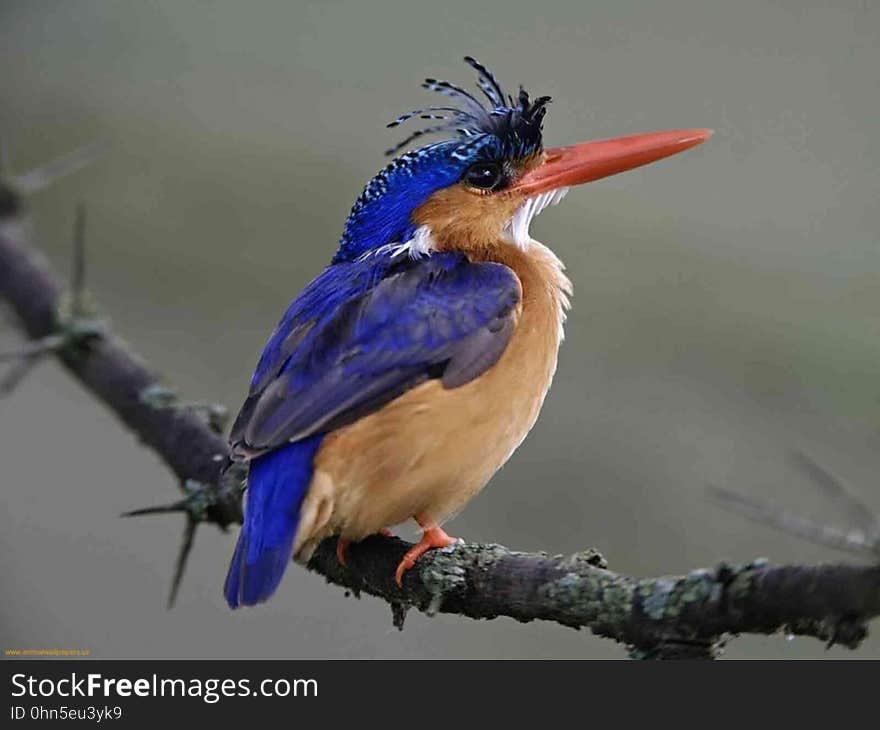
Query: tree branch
[(685, 616), (686, 613), (105, 365)]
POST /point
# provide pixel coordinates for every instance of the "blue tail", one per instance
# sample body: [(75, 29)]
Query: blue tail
[(277, 485)]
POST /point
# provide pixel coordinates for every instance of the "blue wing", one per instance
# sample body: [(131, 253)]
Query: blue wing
[(359, 335), (365, 332)]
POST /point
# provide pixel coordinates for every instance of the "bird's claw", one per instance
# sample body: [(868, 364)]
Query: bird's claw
[(433, 537)]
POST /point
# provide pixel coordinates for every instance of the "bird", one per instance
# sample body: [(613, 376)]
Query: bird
[(403, 376)]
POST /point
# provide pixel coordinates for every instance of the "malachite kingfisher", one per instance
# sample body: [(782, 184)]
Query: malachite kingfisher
[(404, 376)]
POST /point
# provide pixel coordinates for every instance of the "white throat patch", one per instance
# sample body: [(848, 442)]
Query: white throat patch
[(421, 244), (517, 227)]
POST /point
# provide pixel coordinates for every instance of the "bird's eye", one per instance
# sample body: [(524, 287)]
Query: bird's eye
[(484, 175)]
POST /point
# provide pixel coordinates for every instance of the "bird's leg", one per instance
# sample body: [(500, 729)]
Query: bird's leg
[(432, 537), (342, 546)]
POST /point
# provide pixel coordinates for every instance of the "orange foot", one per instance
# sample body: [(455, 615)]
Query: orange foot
[(432, 537), (342, 547)]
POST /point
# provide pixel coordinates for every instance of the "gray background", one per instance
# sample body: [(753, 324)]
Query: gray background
[(725, 312)]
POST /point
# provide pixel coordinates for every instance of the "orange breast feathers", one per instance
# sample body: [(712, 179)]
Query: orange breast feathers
[(429, 451)]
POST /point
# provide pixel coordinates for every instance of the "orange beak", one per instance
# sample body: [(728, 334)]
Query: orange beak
[(588, 161)]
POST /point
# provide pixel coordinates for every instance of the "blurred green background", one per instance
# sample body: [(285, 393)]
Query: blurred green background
[(726, 308)]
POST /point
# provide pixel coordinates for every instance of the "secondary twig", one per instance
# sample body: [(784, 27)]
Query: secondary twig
[(851, 541), (840, 493), (862, 540)]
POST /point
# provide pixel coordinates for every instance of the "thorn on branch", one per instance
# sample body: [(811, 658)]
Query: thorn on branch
[(199, 498), (5, 163), (162, 509), (34, 349), (78, 264), (15, 375), (10, 202), (77, 316), (43, 176), (75, 325), (189, 533), (25, 359)]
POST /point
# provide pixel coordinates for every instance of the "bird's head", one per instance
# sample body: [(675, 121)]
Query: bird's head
[(483, 187)]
